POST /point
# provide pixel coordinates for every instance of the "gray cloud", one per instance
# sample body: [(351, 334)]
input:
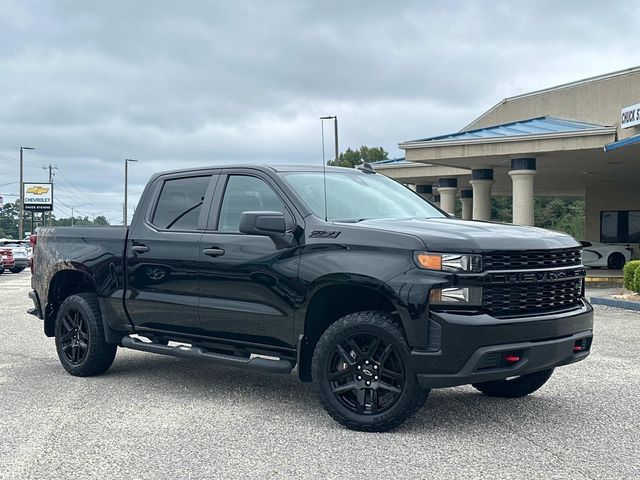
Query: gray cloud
[(196, 82)]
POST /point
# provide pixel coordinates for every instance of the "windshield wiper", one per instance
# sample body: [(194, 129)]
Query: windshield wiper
[(350, 220)]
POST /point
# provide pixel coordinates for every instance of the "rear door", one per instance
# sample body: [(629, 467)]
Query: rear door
[(246, 281), (163, 253)]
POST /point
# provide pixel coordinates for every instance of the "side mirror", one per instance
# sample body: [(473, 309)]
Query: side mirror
[(270, 224)]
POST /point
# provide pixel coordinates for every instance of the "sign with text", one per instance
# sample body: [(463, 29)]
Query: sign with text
[(630, 116), (38, 196)]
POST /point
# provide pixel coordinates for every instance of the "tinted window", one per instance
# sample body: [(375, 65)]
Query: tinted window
[(246, 194), (180, 203), (620, 227)]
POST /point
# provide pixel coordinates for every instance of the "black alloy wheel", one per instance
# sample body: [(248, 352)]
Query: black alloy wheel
[(74, 337), (366, 374), (80, 336), (363, 372)]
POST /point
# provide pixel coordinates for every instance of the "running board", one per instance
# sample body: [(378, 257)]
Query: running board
[(256, 363)]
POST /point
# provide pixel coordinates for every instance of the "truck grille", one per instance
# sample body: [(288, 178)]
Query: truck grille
[(540, 259), (531, 298)]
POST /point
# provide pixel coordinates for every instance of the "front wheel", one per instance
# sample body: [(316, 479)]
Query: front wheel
[(515, 387), (80, 341), (363, 373)]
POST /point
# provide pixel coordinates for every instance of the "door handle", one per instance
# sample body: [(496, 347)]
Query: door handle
[(140, 248), (213, 252)]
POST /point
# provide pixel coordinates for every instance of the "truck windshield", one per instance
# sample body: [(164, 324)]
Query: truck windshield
[(355, 197)]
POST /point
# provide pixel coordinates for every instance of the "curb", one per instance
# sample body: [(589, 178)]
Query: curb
[(609, 302), (616, 280)]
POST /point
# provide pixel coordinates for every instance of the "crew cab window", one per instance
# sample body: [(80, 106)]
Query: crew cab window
[(180, 202), (246, 194)]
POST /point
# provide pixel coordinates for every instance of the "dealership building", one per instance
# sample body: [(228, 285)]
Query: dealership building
[(577, 139)]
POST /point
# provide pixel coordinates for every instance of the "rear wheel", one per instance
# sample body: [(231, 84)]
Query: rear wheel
[(363, 373), (80, 341), (616, 261), (515, 387)]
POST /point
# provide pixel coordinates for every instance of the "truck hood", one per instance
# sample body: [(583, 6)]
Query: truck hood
[(454, 235)]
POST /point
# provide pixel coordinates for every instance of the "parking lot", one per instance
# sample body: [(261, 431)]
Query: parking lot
[(160, 417)]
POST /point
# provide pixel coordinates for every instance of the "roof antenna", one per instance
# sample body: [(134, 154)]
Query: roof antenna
[(324, 170)]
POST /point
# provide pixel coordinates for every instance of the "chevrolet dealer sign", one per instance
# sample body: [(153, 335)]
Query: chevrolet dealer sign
[(38, 196)]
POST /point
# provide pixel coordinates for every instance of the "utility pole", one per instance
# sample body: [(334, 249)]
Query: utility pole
[(72, 215), (126, 181), (50, 168), (21, 223), (335, 133)]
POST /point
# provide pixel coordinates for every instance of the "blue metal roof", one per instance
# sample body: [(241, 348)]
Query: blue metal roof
[(533, 126), (622, 143)]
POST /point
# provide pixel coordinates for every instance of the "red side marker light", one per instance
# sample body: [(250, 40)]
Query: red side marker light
[(511, 358)]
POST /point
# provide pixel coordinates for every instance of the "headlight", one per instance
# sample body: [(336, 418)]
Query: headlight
[(448, 262), (456, 296)]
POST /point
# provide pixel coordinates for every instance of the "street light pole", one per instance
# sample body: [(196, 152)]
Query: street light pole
[(126, 181), (21, 222), (335, 133)]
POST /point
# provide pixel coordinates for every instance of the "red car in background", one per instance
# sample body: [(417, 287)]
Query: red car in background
[(7, 259)]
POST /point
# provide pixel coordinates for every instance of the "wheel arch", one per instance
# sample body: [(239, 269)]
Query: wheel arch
[(332, 298), (63, 284)]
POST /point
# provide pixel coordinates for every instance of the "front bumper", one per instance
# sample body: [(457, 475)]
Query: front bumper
[(472, 348)]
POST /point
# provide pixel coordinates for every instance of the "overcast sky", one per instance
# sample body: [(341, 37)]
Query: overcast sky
[(187, 83)]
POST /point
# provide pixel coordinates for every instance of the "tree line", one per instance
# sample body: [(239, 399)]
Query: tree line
[(10, 219)]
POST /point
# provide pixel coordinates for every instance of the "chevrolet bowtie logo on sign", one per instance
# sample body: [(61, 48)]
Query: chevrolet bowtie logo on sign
[(38, 196), (38, 190)]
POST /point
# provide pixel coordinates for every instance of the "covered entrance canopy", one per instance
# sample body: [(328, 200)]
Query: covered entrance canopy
[(571, 144)]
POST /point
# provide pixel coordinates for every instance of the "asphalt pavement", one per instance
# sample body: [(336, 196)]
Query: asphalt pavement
[(154, 417)]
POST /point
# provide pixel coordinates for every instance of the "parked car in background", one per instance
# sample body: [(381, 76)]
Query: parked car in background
[(1, 265), (596, 255), (20, 254), (7, 257)]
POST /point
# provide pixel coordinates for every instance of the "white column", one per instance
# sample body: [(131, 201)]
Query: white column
[(467, 203), (481, 182), (448, 190), (522, 196), (448, 199), (523, 171)]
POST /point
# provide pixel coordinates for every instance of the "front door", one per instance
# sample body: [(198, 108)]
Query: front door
[(162, 255), (246, 281)]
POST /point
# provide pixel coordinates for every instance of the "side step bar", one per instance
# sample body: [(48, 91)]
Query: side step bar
[(257, 363)]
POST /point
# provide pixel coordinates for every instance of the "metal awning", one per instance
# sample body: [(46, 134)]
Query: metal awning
[(535, 128), (622, 143)]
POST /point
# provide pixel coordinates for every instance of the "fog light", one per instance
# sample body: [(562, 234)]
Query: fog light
[(456, 295)]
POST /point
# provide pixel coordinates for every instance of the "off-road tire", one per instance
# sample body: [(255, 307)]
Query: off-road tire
[(99, 354), (516, 387), (378, 325)]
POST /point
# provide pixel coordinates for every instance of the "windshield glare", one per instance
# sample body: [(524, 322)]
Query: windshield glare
[(354, 197)]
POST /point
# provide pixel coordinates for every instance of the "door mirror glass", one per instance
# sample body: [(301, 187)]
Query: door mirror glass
[(263, 223)]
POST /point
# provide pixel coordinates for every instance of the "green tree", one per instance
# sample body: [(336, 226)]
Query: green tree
[(564, 214), (9, 219), (351, 158)]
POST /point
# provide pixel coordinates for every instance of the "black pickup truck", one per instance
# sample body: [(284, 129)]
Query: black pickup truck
[(368, 290)]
